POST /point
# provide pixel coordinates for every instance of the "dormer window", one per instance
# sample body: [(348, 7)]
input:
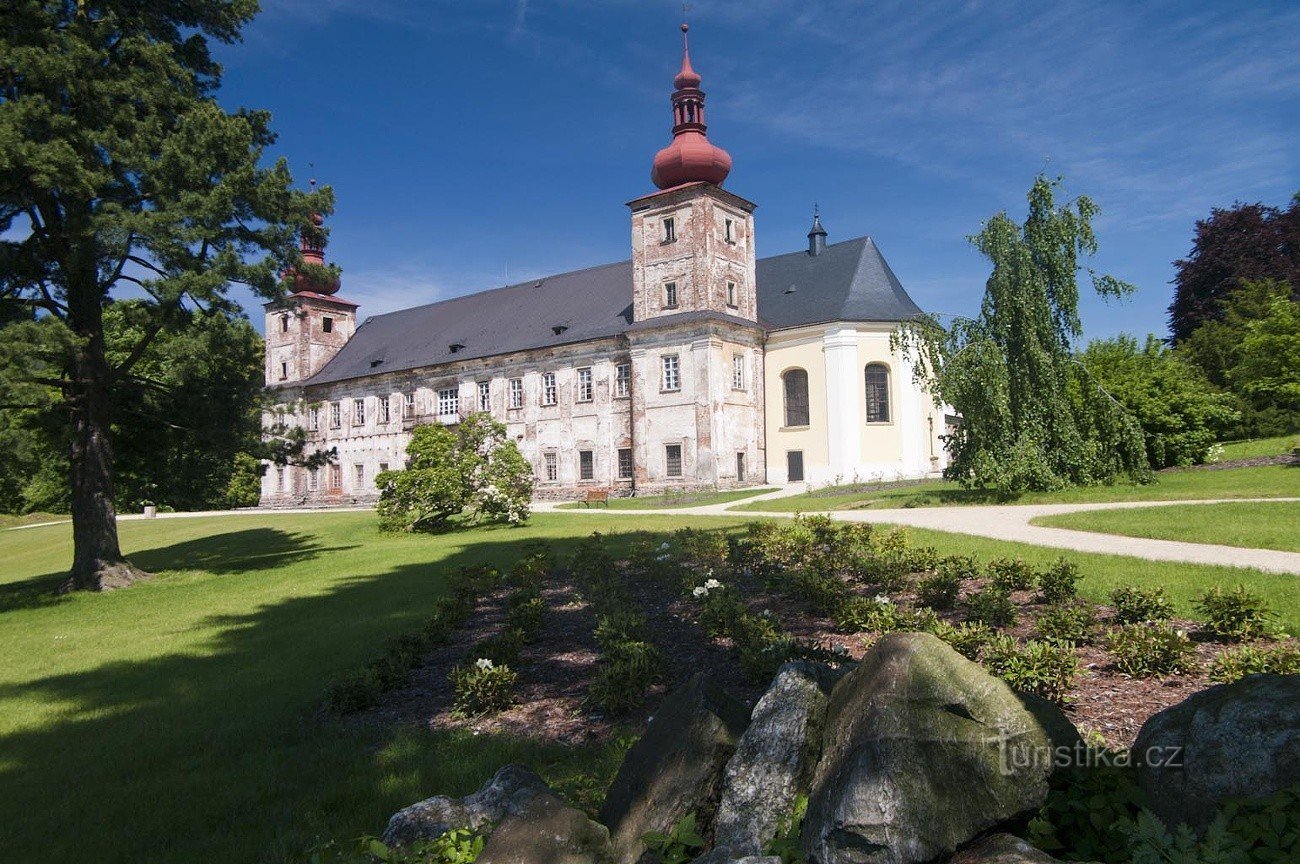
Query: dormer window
[(670, 295), (559, 329), (729, 230), (670, 230), (327, 324), (455, 348)]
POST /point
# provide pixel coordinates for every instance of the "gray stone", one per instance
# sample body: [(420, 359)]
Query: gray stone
[(509, 790), (1231, 741), (924, 751), (674, 770), (1001, 849), (546, 831), (774, 759), (723, 855)]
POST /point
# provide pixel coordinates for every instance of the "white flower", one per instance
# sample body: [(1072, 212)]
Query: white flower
[(663, 545), (663, 557), (701, 591), (713, 584), (883, 600), (484, 664)]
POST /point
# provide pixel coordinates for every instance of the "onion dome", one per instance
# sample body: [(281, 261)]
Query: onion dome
[(313, 277), (690, 158)]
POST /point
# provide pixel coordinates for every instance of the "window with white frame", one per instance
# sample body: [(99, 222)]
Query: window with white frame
[(623, 380), (731, 294), (385, 409), (336, 477), (358, 412), (673, 460), (584, 384), (625, 463), (672, 378), (737, 371), (408, 405), (670, 295), (359, 475), (313, 418), (516, 392), (336, 415), (448, 402), (485, 396), (586, 464), (548, 389), (551, 466)]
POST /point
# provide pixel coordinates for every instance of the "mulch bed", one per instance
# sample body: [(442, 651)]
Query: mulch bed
[(558, 668)]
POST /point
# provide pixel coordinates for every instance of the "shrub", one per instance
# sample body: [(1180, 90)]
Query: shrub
[(502, 649), (1076, 622), (1010, 574), (525, 614), (1136, 605), (1245, 831), (678, 846), (992, 607), (457, 846), (876, 614), (967, 640), (821, 590), (627, 671), (1150, 649), (1088, 813), (1059, 582), (1240, 662), (618, 626), (1236, 614), (939, 590), (482, 687), (1045, 669), (762, 645)]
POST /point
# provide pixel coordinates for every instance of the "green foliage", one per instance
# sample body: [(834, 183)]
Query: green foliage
[(1136, 605), (992, 607), (678, 846), (939, 590), (1181, 414), (787, 844), (472, 469), (1151, 649), (1264, 830), (1010, 574), (1089, 811), (1074, 622), (1045, 669), (483, 687), (1236, 614), (869, 614), (1240, 662), (1032, 416), (457, 846), (967, 639), (1059, 583)]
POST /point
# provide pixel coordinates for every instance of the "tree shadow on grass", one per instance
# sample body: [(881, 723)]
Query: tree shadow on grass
[(224, 754)]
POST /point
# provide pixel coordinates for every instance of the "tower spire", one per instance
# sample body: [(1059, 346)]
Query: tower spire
[(817, 236), (690, 158)]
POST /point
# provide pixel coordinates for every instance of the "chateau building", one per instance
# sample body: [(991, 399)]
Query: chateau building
[(693, 364)]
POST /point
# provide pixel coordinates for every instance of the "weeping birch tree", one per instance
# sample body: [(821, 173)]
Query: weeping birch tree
[(1032, 418)]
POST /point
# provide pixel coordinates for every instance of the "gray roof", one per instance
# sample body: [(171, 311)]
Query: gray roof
[(849, 281)]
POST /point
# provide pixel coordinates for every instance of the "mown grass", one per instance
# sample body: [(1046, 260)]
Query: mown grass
[(179, 720), (671, 501), (1268, 481), (10, 521), (1268, 525), (1255, 447)]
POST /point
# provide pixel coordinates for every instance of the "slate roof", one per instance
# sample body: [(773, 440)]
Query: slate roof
[(848, 281)]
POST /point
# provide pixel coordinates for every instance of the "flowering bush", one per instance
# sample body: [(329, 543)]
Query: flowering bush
[(1151, 649), (483, 687)]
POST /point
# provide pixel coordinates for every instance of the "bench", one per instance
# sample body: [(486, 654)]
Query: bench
[(596, 496)]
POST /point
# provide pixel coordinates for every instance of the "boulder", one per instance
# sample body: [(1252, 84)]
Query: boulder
[(720, 855), (674, 769), (1231, 741), (509, 790), (774, 759), (1001, 849), (546, 831), (923, 751)]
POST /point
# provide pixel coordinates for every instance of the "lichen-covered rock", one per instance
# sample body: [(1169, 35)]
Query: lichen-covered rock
[(509, 790), (674, 769), (1001, 849), (720, 855), (774, 759), (546, 831), (1231, 741), (923, 751)]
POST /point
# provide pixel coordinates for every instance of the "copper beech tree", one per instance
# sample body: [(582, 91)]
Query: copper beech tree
[(121, 175)]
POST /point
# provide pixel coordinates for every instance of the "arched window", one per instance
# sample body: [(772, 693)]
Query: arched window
[(796, 397), (877, 393)]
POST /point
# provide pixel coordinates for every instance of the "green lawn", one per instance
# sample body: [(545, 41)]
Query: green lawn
[(673, 501), (1260, 447), (179, 720), (1272, 525), (1269, 481)]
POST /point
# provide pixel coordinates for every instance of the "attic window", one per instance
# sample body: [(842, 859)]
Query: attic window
[(455, 347), (790, 290), (374, 363), (327, 324), (559, 328)]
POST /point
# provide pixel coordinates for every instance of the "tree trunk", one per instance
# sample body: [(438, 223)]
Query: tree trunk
[(97, 562)]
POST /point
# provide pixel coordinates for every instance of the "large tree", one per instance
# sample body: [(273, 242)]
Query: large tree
[(1031, 415), (120, 171), (1235, 245)]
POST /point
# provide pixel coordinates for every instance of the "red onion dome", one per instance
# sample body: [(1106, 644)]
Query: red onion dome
[(690, 158)]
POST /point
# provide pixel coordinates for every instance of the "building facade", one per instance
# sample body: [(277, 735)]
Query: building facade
[(692, 365)]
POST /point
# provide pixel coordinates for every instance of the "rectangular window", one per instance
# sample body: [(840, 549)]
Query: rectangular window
[(383, 466), (670, 295), (284, 323), (313, 480), (313, 418), (551, 466), (794, 466), (584, 384), (284, 371), (358, 412), (548, 388), (730, 231), (336, 415), (672, 373), (740, 467), (448, 402), (625, 463), (623, 380), (670, 230), (877, 393), (336, 477), (279, 479), (385, 409), (359, 474), (408, 405), (731, 294), (586, 465), (673, 455), (737, 371), (516, 392), (327, 324), (485, 396)]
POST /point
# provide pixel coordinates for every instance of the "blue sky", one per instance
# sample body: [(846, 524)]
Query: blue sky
[(474, 141)]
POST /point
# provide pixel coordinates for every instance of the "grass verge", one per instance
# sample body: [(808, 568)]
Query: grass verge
[(1270, 525), (672, 501), (1256, 447)]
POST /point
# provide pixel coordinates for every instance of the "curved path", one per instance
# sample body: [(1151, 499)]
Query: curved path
[(1011, 522)]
